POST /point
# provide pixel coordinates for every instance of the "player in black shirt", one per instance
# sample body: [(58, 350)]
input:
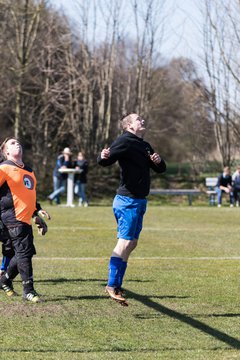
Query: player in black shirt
[(135, 157)]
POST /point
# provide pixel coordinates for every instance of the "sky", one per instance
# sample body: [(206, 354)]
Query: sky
[(182, 30)]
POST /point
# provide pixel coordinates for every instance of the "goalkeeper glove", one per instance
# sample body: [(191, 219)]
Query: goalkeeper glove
[(41, 225)]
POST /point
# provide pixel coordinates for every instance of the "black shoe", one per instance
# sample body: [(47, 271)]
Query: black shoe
[(50, 200)]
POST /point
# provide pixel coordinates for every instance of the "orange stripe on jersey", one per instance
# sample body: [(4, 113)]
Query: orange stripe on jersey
[(18, 193)]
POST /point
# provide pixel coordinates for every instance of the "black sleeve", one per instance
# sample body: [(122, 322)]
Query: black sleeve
[(117, 149), (159, 168), (38, 207)]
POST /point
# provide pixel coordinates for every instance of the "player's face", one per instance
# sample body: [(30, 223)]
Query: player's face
[(13, 148), (137, 124)]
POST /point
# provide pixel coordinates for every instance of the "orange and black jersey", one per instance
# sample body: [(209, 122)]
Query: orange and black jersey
[(17, 193)]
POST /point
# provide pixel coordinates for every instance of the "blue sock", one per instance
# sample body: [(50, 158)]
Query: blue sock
[(121, 273), (115, 265), (5, 263)]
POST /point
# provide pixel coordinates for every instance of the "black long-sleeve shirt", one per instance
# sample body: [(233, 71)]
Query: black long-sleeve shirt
[(133, 155), (224, 180)]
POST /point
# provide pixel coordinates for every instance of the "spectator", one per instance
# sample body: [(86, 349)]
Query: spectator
[(135, 157), (236, 185), (81, 164), (60, 180), (224, 185)]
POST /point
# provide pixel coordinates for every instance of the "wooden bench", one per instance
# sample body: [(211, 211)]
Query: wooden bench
[(211, 183), (187, 192)]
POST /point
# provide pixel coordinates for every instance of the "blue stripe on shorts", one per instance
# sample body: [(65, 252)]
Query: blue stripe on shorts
[(129, 214)]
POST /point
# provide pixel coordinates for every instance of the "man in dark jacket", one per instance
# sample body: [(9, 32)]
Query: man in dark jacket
[(60, 180), (224, 185), (135, 157)]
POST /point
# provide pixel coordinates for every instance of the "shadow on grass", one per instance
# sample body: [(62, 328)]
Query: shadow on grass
[(155, 316), (199, 325), (100, 297), (63, 280), (161, 297), (117, 350), (74, 298), (230, 315)]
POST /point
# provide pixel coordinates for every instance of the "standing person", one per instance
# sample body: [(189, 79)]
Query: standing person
[(7, 249), (59, 179), (18, 205), (224, 185), (81, 179), (135, 157), (236, 185)]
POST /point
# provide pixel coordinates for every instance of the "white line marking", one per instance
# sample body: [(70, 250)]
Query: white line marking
[(90, 228), (75, 228), (141, 258)]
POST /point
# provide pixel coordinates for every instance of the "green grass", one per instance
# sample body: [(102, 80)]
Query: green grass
[(182, 285)]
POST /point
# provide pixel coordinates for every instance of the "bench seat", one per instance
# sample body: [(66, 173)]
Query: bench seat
[(211, 183), (188, 192)]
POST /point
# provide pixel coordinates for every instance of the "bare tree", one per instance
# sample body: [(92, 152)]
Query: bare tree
[(221, 39), (181, 126), (44, 111), (24, 21), (91, 69), (149, 27)]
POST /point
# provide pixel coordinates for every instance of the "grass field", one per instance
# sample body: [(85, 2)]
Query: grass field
[(182, 284)]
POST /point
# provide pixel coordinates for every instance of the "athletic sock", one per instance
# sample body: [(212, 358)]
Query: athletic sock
[(5, 262), (5, 280), (121, 273), (28, 286), (12, 270), (115, 265)]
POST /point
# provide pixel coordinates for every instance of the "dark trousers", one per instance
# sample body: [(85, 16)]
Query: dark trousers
[(22, 242), (7, 248), (236, 191)]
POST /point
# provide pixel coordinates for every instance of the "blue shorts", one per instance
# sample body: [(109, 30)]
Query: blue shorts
[(129, 216)]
